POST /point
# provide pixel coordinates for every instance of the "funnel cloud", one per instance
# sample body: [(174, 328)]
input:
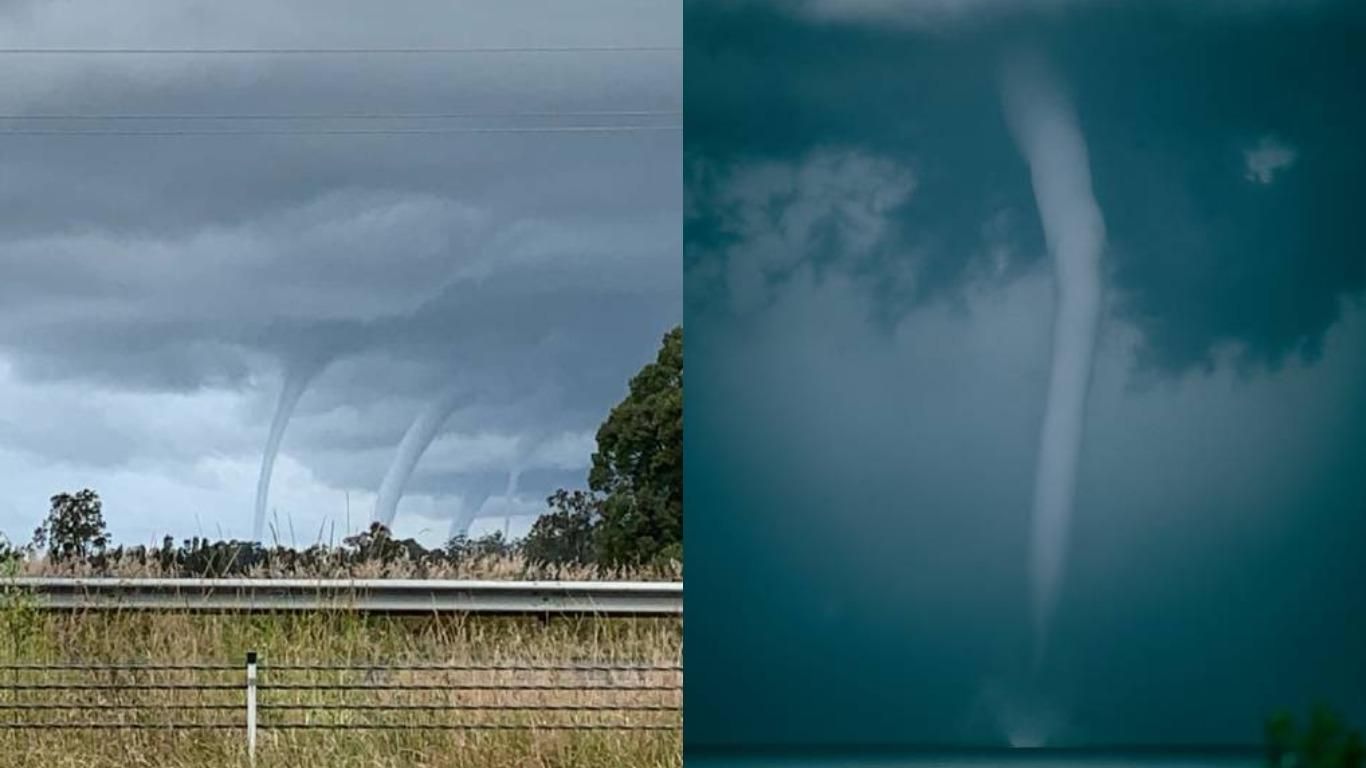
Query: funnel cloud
[(469, 508), (154, 312), (410, 449), (1045, 129), (509, 494), (867, 440), (297, 378)]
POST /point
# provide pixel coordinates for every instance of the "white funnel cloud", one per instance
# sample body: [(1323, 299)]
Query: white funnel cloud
[(469, 509), (509, 496), (410, 449), (1045, 129), (298, 375)]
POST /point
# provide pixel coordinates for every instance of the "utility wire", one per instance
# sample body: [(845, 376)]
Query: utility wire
[(341, 115), (336, 51), (172, 727), (345, 131), (444, 667)]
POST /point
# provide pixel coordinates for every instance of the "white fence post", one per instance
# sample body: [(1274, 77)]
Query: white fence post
[(251, 706)]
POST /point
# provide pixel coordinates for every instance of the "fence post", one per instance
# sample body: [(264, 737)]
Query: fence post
[(251, 707)]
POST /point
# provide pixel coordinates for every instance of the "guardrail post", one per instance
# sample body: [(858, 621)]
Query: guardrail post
[(251, 707)]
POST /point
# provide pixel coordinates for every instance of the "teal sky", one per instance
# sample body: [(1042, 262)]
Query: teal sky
[(869, 302)]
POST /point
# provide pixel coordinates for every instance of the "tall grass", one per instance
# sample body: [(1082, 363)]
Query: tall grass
[(29, 636), (498, 566)]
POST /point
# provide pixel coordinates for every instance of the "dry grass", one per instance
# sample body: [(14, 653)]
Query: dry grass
[(507, 567), (29, 637)]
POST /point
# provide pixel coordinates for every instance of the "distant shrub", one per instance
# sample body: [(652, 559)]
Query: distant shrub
[(1325, 742)]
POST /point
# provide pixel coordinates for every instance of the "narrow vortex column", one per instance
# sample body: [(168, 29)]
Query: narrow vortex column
[(1045, 129)]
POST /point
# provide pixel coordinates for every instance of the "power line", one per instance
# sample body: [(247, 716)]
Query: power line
[(341, 115), (337, 51), (346, 131)]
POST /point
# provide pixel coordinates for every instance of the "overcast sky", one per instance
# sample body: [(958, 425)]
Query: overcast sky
[(154, 290), (869, 305)]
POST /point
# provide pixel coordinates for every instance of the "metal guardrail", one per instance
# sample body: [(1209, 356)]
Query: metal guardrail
[(254, 697), (599, 598)]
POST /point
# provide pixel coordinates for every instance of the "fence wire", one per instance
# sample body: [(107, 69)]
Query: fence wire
[(369, 696)]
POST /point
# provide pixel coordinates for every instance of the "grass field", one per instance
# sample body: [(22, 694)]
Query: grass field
[(29, 637)]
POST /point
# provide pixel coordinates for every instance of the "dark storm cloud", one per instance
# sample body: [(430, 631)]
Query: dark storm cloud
[(535, 271), (868, 89), (1171, 109), (868, 317), (1204, 254)]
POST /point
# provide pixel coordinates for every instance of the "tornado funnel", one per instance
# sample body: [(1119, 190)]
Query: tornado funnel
[(464, 518), (1045, 129), (410, 449), (298, 375)]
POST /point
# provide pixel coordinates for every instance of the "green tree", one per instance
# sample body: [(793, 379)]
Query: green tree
[(565, 535), (1324, 743), (9, 554), (375, 543), (638, 467), (74, 528)]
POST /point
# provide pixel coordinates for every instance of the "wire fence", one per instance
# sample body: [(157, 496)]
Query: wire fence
[(256, 696)]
